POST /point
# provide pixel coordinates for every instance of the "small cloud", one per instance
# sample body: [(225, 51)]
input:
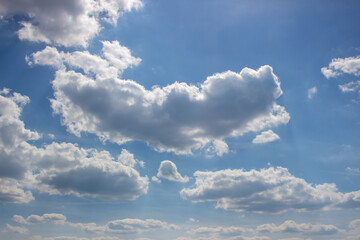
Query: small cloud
[(193, 220), (350, 86), (340, 66), (155, 179), (51, 136), (311, 92), (354, 171), (168, 170), (266, 136)]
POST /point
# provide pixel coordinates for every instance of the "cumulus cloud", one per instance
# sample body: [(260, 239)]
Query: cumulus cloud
[(311, 92), (58, 168), (127, 225), (66, 22), (266, 136), (267, 190), (168, 170), (291, 226), (340, 66), (265, 231), (176, 118)]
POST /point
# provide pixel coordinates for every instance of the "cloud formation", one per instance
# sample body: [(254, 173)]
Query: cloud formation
[(291, 226), (268, 190), (66, 22), (168, 170), (311, 92), (127, 225), (266, 136), (58, 168), (176, 118), (350, 86), (340, 66)]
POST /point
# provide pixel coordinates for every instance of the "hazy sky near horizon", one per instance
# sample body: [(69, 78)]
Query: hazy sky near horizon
[(185, 120)]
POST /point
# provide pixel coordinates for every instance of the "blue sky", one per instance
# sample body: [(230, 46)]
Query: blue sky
[(185, 120)]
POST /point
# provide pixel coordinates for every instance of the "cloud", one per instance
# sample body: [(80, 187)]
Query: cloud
[(350, 86), (55, 218), (311, 92), (12, 191), (15, 229), (220, 231), (266, 136), (271, 190), (155, 179), (176, 118), (168, 170), (127, 225), (256, 232), (340, 66), (58, 168), (66, 22), (290, 226)]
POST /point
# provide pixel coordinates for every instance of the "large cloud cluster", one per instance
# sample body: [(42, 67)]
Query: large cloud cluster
[(65, 22), (179, 117), (268, 190), (58, 168)]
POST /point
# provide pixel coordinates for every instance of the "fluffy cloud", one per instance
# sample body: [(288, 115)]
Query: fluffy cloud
[(290, 226), (266, 136), (340, 66), (267, 190), (311, 92), (271, 231), (176, 118), (58, 168), (66, 22), (168, 170), (127, 225)]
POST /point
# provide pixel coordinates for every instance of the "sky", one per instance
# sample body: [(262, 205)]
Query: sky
[(184, 120)]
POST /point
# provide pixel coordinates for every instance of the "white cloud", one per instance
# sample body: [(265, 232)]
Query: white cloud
[(350, 86), (12, 191), (340, 66), (66, 22), (55, 218), (58, 168), (290, 226), (177, 118), (266, 136), (127, 225), (311, 92), (220, 231), (168, 170), (15, 229), (155, 179), (268, 190), (219, 147)]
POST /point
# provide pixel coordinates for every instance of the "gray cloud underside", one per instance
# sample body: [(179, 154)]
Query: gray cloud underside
[(268, 190), (58, 168), (65, 22), (178, 117)]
